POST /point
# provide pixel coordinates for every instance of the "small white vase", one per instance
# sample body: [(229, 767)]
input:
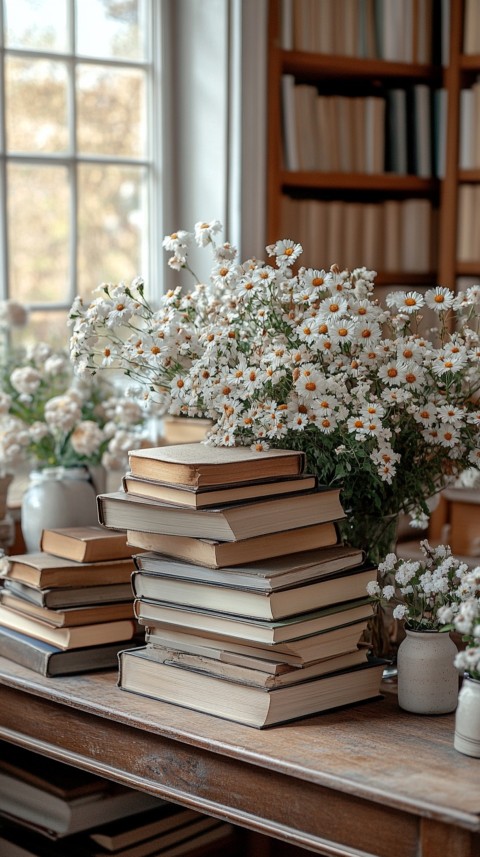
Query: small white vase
[(467, 718), (57, 497), (427, 678)]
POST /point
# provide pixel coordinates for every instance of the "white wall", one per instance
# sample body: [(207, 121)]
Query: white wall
[(213, 104)]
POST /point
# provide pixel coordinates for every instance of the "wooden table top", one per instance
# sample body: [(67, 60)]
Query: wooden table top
[(373, 751)]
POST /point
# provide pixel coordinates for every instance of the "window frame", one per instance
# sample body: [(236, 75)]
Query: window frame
[(72, 160)]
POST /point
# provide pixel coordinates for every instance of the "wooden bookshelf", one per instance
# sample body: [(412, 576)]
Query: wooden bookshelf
[(347, 74)]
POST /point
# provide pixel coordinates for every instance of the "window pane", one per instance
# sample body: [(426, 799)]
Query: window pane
[(38, 200), (109, 28), (44, 326), (112, 221), (36, 105), (37, 24), (111, 111)]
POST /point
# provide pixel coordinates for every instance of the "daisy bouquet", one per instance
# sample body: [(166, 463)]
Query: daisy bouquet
[(50, 418), (281, 355)]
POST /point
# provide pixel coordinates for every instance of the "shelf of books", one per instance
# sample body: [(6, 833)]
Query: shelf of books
[(357, 117), (49, 809)]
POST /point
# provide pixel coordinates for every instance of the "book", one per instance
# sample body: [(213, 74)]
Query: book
[(202, 498), (273, 658), (198, 464), (71, 596), (184, 430), (60, 816), (154, 822), (267, 633), (85, 544), (266, 576), (183, 836), (252, 706), (119, 510), (71, 616), (48, 660), (218, 554), (47, 572), (250, 675), (215, 840), (68, 638), (342, 587), (56, 778)]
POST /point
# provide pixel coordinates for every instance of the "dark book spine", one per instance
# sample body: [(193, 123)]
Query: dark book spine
[(24, 653)]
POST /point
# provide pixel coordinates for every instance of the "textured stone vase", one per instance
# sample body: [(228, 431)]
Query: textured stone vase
[(57, 497), (467, 718), (427, 678)]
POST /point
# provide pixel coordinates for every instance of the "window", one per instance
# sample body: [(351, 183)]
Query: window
[(76, 142)]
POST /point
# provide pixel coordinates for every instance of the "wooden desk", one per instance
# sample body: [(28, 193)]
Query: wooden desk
[(370, 780)]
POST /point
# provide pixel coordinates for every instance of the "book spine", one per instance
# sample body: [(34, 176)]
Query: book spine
[(21, 652)]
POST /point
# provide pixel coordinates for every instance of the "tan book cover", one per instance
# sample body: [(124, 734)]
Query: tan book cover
[(69, 617), (198, 464), (85, 544), (68, 638), (216, 554), (47, 572)]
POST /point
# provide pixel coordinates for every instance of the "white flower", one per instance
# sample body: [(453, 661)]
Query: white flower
[(373, 588), (86, 438), (439, 299), (400, 611), (26, 380), (205, 232)]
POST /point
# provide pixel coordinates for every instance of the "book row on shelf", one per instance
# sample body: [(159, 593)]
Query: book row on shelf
[(390, 131), (471, 28), (384, 236), (469, 133), (468, 236), (53, 810), (251, 607), (374, 29)]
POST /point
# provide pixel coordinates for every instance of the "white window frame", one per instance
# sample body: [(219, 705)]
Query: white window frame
[(152, 162)]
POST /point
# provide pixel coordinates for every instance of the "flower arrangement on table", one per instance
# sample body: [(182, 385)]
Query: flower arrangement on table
[(51, 419), (307, 360), (464, 617), (428, 592)]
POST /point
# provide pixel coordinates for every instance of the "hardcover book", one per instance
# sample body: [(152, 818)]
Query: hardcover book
[(203, 621), (253, 706), (47, 572), (342, 587), (217, 554), (68, 638), (198, 465), (85, 544), (203, 498), (265, 576), (48, 660), (227, 523)]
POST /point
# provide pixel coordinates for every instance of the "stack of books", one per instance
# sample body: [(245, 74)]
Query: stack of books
[(253, 609), (54, 810), (69, 608)]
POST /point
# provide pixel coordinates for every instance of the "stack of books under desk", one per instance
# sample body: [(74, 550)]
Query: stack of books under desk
[(69, 608), (253, 608), (49, 809)]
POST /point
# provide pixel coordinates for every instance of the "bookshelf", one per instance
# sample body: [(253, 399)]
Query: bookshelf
[(358, 77)]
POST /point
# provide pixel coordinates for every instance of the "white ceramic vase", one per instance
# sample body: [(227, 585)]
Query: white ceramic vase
[(57, 497), (427, 678), (467, 718)]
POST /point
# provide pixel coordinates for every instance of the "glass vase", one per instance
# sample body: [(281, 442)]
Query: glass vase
[(427, 677), (376, 536), (57, 497)]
